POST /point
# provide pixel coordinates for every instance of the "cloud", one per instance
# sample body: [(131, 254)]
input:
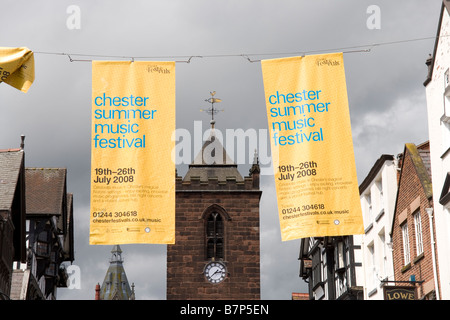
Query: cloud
[(390, 128), (386, 95)]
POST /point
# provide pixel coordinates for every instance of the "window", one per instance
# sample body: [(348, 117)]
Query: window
[(446, 78), (42, 244), (342, 262), (369, 208), (372, 269), (51, 270), (445, 134), (446, 110), (214, 237), (406, 256), (379, 185), (340, 255), (316, 268), (383, 252), (445, 118), (418, 230)]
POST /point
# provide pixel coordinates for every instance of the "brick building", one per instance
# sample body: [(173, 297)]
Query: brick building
[(216, 254), (413, 228)]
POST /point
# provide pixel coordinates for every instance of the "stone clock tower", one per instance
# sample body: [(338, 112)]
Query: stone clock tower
[(216, 254)]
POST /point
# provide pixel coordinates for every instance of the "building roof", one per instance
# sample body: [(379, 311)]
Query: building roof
[(420, 158), (45, 190), (374, 171), (431, 60), (12, 196), (213, 162), (11, 161), (300, 296)]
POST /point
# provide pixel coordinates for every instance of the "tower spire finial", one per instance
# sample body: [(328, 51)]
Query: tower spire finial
[(212, 111), (116, 254)]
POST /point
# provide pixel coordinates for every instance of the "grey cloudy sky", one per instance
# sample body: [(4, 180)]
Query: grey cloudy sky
[(386, 95)]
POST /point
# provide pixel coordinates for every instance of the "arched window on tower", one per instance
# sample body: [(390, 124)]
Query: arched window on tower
[(214, 236)]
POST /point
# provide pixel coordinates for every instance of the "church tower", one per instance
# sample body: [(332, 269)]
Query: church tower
[(216, 254), (115, 285)]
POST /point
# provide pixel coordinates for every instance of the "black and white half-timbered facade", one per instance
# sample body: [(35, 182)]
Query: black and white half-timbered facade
[(332, 267)]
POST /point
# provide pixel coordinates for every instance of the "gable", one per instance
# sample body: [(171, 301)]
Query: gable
[(421, 161), (417, 160), (10, 166), (46, 190)]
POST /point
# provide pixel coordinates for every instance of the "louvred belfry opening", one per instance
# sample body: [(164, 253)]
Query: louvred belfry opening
[(214, 235)]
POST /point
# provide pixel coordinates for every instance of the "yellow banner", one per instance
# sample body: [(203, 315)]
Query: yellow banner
[(17, 67), (132, 171), (312, 148)]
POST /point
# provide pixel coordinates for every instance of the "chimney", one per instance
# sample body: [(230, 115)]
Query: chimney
[(97, 292), (22, 143)]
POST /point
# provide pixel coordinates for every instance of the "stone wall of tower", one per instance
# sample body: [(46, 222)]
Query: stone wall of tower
[(186, 259)]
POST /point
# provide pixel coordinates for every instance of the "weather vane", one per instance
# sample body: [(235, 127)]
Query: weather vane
[(212, 111)]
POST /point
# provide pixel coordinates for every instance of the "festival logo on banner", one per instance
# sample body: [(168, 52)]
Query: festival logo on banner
[(311, 141), (132, 170)]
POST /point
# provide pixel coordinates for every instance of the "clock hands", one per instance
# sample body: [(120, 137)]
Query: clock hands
[(217, 270)]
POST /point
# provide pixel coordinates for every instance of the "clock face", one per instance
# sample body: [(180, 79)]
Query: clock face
[(215, 272)]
